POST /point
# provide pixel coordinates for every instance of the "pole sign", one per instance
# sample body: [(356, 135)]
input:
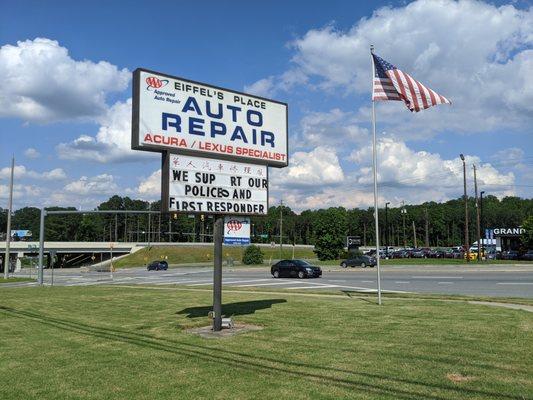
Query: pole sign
[(193, 118), (209, 186), (236, 231), (353, 242)]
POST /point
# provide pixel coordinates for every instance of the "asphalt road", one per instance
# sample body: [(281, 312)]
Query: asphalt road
[(491, 280)]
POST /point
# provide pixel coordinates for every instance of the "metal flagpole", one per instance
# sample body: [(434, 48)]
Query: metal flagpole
[(374, 168), (7, 262)]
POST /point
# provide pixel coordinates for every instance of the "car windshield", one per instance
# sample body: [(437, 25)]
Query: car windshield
[(301, 263)]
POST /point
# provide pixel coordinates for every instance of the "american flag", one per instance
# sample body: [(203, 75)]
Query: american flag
[(392, 84)]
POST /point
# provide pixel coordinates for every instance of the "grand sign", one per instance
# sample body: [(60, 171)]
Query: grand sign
[(210, 186), (193, 118)]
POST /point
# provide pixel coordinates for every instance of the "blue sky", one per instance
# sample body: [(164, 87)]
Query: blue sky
[(65, 70)]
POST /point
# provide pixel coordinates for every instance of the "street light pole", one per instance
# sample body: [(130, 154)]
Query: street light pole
[(481, 218), (281, 229), (477, 218), (467, 245), (404, 211), (7, 262), (387, 229)]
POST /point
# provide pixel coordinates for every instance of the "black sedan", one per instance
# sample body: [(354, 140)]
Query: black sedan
[(359, 261), (157, 266), (295, 269)]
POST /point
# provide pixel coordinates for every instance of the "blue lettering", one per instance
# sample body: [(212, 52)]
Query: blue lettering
[(238, 133), (234, 110), (166, 123), (217, 128), (267, 137), (210, 113), (191, 105), (195, 126), (259, 121)]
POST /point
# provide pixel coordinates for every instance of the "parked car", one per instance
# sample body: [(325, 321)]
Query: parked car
[(359, 261), (423, 252), (157, 266), (528, 256), (295, 269), (437, 253), (510, 255), (400, 254)]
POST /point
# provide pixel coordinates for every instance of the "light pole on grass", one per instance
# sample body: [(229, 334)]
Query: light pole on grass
[(467, 245)]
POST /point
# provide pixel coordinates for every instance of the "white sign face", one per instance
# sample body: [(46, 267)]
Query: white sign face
[(208, 186), (193, 118), (236, 231)]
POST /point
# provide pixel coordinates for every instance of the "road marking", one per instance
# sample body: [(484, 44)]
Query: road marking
[(444, 283), (514, 283), (437, 277), (229, 283), (312, 287), (402, 282), (368, 281), (267, 284)]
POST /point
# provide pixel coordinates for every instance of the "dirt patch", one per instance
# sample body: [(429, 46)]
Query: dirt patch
[(208, 333), (459, 378)]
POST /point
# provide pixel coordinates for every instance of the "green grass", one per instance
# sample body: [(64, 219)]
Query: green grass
[(197, 254), (130, 343), (15, 279)]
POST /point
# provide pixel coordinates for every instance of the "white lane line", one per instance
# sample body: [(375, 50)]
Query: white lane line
[(444, 283), (402, 282), (266, 284), (437, 277), (312, 287), (230, 283), (368, 281), (514, 283)]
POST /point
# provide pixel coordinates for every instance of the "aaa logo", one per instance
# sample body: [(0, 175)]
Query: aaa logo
[(155, 83)]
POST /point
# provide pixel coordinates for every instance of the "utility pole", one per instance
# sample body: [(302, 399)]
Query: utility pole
[(7, 262), (404, 212), (467, 245), (218, 236), (427, 227), (364, 234), (280, 229), (149, 224), (414, 235), (116, 227), (478, 223)]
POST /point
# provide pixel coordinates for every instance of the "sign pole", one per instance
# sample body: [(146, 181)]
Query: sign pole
[(375, 170), (41, 246), (218, 234)]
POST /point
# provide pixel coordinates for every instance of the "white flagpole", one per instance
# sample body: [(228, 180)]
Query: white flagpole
[(375, 168)]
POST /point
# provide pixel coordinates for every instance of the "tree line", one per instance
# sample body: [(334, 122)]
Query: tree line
[(429, 224)]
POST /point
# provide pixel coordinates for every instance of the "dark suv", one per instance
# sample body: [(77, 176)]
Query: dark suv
[(295, 269), (359, 261), (157, 266)]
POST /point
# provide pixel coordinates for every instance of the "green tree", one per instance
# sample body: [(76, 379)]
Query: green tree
[(527, 236), (252, 255), (330, 229)]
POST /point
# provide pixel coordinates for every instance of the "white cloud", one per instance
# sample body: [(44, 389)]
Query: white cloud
[(150, 188), (477, 54), (30, 152), (317, 167), (21, 172), (112, 142), (42, 83), (333, 127), (21, 192), (103, 184)]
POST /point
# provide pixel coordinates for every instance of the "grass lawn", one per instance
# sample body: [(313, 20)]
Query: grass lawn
[(129, 343), (195, 254), (15, 279)]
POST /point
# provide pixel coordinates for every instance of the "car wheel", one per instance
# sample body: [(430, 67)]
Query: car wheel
[(301, 274), (343, 265), (363, 265), (276, 274)]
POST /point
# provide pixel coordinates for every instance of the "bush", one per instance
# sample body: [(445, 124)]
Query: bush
[(252, 255)]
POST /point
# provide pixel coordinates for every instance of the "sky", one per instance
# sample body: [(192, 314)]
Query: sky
[(65, 94)]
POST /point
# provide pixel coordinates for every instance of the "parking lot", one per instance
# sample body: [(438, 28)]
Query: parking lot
[(491, 280)]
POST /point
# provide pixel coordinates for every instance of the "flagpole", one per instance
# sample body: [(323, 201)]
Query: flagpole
[(374, 169)]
